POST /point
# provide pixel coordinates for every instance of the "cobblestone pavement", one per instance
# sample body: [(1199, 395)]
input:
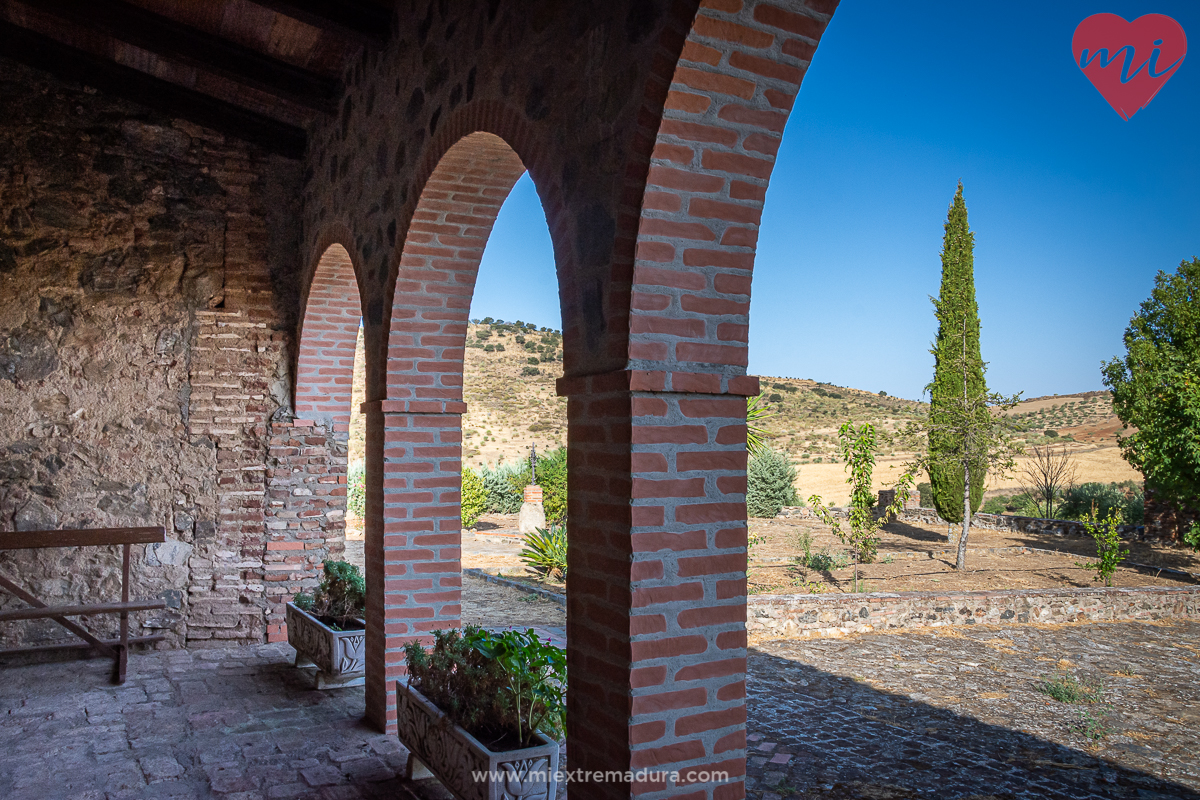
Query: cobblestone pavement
[(946, 714), (950, 714)]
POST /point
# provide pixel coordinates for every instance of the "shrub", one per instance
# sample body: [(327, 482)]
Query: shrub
[(770, 483), (474, 498), (529, 371), (926, 491), (356, 488), (1191, 537), (994, 505), (341, 597), (500, 687), (490, 348), (532, 360), (1104, 499), (503, 496), (545, 551), (1109, 553)]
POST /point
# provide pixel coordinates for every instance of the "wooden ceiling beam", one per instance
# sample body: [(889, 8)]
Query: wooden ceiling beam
[(171, 99), (358, 20), (181, 43)]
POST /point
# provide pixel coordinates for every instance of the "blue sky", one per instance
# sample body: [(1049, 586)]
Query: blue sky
[(1074, 209)]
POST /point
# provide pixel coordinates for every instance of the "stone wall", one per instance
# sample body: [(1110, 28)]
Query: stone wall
[(808, 616), (147, 311)]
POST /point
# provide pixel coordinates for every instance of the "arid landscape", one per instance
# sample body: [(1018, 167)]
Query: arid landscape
[(510, 407)]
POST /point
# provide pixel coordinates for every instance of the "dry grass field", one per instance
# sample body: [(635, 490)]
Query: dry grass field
[(509, 408)]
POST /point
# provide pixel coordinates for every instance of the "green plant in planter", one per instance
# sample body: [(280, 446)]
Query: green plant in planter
[(499, 687), (341, 597)]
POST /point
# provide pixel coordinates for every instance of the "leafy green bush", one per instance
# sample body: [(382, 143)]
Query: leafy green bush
[(474, 498), (994, 505), (1105, 498), (925, 489), (770, 483), (1109, 553), (530, 371), (545, 551), (500, 687), (356, 488), (341, 597), (503, 495), (1191, 537)]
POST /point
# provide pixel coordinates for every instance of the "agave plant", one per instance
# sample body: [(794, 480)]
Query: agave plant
[(756, 412), (545, 551)]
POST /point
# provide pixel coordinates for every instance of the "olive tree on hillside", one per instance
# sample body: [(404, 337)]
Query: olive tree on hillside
[(1156, 387)]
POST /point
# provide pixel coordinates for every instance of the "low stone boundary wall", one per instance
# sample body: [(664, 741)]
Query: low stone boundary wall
[(804, 616)]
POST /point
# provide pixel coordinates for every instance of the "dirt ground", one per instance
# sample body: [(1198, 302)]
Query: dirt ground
[(919, 558), (911, 558)]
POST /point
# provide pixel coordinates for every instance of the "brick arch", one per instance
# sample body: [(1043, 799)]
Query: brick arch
[(328, 334), (723, 118), (414, 436)]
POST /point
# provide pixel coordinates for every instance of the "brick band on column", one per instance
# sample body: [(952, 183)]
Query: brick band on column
[(413, 537)]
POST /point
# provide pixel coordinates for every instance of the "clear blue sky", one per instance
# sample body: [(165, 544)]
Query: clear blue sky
[(1074, 209)]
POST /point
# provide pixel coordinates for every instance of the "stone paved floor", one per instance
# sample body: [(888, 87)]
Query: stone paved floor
[(951, 716)]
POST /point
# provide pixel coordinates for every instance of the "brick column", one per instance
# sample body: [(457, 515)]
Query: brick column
[(656, 610), (413, 536)]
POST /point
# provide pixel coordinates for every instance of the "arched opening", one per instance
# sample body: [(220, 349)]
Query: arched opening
[(414, 436), (308, 486)]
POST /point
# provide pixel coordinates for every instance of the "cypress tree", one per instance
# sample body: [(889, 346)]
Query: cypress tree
[(955, 352)]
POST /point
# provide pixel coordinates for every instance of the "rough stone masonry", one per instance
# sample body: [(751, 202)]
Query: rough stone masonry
[(146, 303)]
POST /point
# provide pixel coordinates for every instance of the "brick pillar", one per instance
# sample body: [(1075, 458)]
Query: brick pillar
[(656, 610), (413, 536)]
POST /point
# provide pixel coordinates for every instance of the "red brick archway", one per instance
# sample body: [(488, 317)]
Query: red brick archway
[(305, 514), (328, 334), (414, 437), (653, 199)]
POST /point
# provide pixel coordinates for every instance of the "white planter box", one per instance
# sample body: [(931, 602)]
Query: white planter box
[(453, 755), (340, 656)]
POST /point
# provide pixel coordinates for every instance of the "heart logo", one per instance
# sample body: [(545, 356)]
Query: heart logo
[(1128, 62)]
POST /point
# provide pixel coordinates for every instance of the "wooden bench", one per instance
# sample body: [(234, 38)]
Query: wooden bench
[(117, 649)]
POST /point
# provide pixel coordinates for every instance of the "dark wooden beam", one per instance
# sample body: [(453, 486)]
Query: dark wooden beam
[(171, 99), (360, 20), (181, 43), (81, 537)]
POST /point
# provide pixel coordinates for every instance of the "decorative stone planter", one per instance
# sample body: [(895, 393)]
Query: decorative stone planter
[(453, 755), (339, 656)]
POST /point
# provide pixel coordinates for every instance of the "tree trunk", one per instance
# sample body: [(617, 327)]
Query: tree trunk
[(961, 564)]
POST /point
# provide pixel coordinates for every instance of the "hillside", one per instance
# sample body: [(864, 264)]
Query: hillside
[(511, 403)]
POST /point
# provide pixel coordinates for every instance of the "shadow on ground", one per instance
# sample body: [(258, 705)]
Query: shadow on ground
[(814, 734)]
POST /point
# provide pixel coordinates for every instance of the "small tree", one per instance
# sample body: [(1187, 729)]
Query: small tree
[(1046, 477), (858, 447), (1109, 552), (1156, 387)]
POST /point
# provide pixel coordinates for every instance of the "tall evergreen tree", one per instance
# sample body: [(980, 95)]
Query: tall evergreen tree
[(958, 370)]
